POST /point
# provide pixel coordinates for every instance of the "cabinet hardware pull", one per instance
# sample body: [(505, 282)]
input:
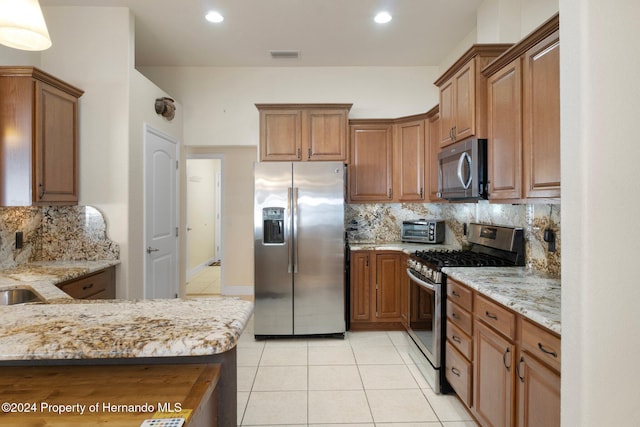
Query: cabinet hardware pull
[(456, 339), (455, 315), (544, 350), (308, 153), (298, 153), (455, 371), (421, 196), (41, 190), (518, 369), (366, 263), (491, 315), (454, 132), (504, 359), (455, 294), (84, 288)]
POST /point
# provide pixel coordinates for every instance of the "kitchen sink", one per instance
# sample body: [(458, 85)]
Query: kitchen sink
[(18, 296)]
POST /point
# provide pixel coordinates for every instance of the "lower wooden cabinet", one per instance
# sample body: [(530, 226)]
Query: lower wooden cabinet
[(505, 368), (376, 281), (98, 285), (494, 377), (538, 393)]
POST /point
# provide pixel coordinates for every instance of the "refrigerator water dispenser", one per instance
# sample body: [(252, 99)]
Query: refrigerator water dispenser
[(273, 226)]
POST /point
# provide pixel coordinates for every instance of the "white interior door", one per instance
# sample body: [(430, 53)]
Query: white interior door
[(160, 213)]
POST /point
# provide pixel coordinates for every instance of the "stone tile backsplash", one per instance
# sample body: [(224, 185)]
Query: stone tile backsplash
[(54, 233), (382, 222)]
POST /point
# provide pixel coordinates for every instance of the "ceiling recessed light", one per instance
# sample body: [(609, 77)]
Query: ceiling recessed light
[(382, 17), (214, 16)]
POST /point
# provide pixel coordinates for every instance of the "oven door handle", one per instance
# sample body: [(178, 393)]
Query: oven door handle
[(420, 281)]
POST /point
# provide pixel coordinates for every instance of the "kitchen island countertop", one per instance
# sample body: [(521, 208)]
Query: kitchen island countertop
[(115, 329)]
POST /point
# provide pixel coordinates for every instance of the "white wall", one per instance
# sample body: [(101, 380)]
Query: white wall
[(535, 12), (10, 56), (600, 106), (93, 50), (219, 101)]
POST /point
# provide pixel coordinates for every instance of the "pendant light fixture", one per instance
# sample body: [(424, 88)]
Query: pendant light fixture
[(22, 25)]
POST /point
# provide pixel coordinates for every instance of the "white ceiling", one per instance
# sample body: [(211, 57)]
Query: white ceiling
[(326, 32)]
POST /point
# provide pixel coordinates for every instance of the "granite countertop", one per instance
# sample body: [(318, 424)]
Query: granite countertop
[(534, 295), (406, 247), (67, 328), (98, 329), (42, 276)]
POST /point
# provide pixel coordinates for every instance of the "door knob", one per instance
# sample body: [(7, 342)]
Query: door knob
[(150, 249)]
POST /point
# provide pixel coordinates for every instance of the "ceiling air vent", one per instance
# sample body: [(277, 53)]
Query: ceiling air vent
[(285, 54)]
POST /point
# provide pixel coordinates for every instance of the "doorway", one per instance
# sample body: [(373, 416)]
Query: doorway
[(203, 219)]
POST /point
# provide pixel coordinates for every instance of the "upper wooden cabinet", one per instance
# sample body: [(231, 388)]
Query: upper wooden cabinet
[(463, 100), (409, 160), (523, 96), (303, 132), (432, 148), (39, 138), (371, 161)]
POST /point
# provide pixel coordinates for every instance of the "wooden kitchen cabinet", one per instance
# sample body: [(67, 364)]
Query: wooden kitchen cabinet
[(360, 281), (505, 132), (376, 296), (541, 119), (494, 377), (304, 132), (39, 144), (538, 393), (432, 142), (98, 285), (459, 345), (371, 161), (409, 160), (463, 94), (523, 96)]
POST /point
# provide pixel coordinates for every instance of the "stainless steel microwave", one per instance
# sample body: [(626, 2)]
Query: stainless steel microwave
[(462, 171)]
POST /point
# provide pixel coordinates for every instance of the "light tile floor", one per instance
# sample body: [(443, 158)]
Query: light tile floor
[(366, 380), (205, 283)]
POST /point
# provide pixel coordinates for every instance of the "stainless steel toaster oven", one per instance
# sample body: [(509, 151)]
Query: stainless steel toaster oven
[(423, 231)]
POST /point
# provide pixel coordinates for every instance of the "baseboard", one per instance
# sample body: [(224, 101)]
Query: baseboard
[(237, 290), (198, 268)]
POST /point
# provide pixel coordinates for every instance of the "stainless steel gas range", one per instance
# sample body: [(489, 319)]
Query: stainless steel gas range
[(491, 246)]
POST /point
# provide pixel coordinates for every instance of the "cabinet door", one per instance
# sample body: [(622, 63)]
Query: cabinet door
[(464, 124), (538, 394), (447, 112), (541, 123), (505, 132), (388, 278), (370, 171), (324, 135), (360, 286), (56, 146), (433, 148), (494, 379), (409, 157), (280, 135)]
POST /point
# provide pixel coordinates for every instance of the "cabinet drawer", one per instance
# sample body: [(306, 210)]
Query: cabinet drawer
[(541, 344), (499, 318), (461, 318), (459, 294), (98, 285), (460, 340), (458, 374)]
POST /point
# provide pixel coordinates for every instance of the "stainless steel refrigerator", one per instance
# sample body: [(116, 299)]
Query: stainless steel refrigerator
[(299, 249)]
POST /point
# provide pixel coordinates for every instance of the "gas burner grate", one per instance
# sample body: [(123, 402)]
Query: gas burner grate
[(461, 259)]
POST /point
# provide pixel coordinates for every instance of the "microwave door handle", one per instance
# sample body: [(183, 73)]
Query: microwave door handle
[(464, 157)]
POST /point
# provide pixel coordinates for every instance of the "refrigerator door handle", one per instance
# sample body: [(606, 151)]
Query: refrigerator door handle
[(295, 229), (288, 235)]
